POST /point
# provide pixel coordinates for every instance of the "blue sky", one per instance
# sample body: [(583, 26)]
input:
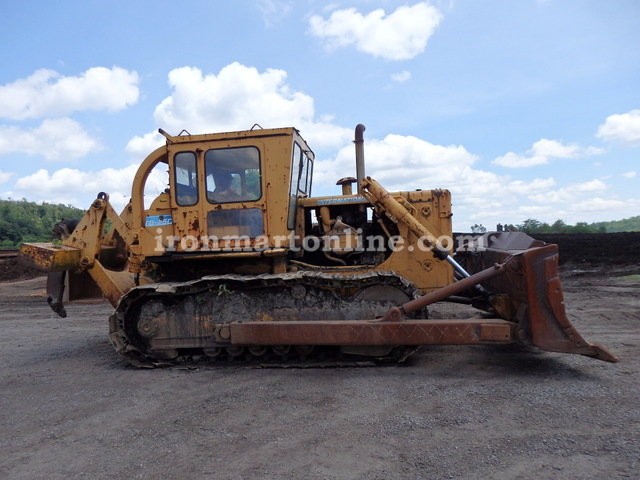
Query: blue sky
[(523, 109)]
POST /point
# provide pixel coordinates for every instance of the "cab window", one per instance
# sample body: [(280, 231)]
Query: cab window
[(233, 175), (186, 179), (301, 173)]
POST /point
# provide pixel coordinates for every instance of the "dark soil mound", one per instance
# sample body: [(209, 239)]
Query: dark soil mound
[(593, 248), (609, 248), (19, 268)]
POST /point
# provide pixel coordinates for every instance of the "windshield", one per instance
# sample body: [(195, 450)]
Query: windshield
[(233, 175)]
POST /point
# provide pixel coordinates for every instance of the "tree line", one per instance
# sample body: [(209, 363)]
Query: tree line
[(531, 226), (23, 221)]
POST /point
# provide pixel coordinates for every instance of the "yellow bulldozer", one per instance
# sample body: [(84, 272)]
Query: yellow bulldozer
[(235, 260)]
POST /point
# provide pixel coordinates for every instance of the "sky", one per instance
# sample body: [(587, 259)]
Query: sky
[(523, 109)]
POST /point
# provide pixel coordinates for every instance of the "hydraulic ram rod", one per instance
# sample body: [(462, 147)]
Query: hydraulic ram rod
[(396, 313)]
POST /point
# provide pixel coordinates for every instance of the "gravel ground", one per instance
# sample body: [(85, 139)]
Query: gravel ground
[(72, 408)]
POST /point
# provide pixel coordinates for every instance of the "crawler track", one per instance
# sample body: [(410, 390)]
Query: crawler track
[(170, 323)]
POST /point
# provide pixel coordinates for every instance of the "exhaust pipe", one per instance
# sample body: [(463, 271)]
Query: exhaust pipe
[(359, 141)]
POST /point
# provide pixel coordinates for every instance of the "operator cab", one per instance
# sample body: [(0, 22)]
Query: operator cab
[(228, 190)]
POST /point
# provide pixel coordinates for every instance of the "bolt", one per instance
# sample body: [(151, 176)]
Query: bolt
[(522, 334), (225, 332)]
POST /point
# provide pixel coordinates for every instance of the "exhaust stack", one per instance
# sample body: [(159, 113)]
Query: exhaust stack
[(359, 141)]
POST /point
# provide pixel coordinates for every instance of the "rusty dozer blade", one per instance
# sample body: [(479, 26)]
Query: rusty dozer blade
[(529, 293), (549, 327)]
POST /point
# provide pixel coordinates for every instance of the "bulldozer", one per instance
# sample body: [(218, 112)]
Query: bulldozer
[(235, 260)]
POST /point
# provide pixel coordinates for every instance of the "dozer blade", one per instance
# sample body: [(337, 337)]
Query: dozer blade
[(529, 293), (549, 327)]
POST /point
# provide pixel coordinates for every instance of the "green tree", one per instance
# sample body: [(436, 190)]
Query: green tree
[(532, 225), (559, 226), (22, 221), (582, 227)]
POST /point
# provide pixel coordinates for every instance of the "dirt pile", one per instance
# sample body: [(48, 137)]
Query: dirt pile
[(591, 248), (18, 268), (609, 248)]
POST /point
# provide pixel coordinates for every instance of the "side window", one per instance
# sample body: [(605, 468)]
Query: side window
[(186, 179), (233, 175), (308, 168), (293, 188), (302, 183), (301, 170)]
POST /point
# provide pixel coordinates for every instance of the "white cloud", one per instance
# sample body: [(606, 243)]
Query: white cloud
[(46, 93), (68, 185), (274, 11), (570, 193), (401, 77), (140, 147), (401, 162), (520, 187), (54, 139), (5, 176), (235, 99), (74, 186), (479, 196), (598, 204), (406, 163), (65, 179), (587, 201), (543, 151), (629, 175), (623, 128), (400, 35)]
